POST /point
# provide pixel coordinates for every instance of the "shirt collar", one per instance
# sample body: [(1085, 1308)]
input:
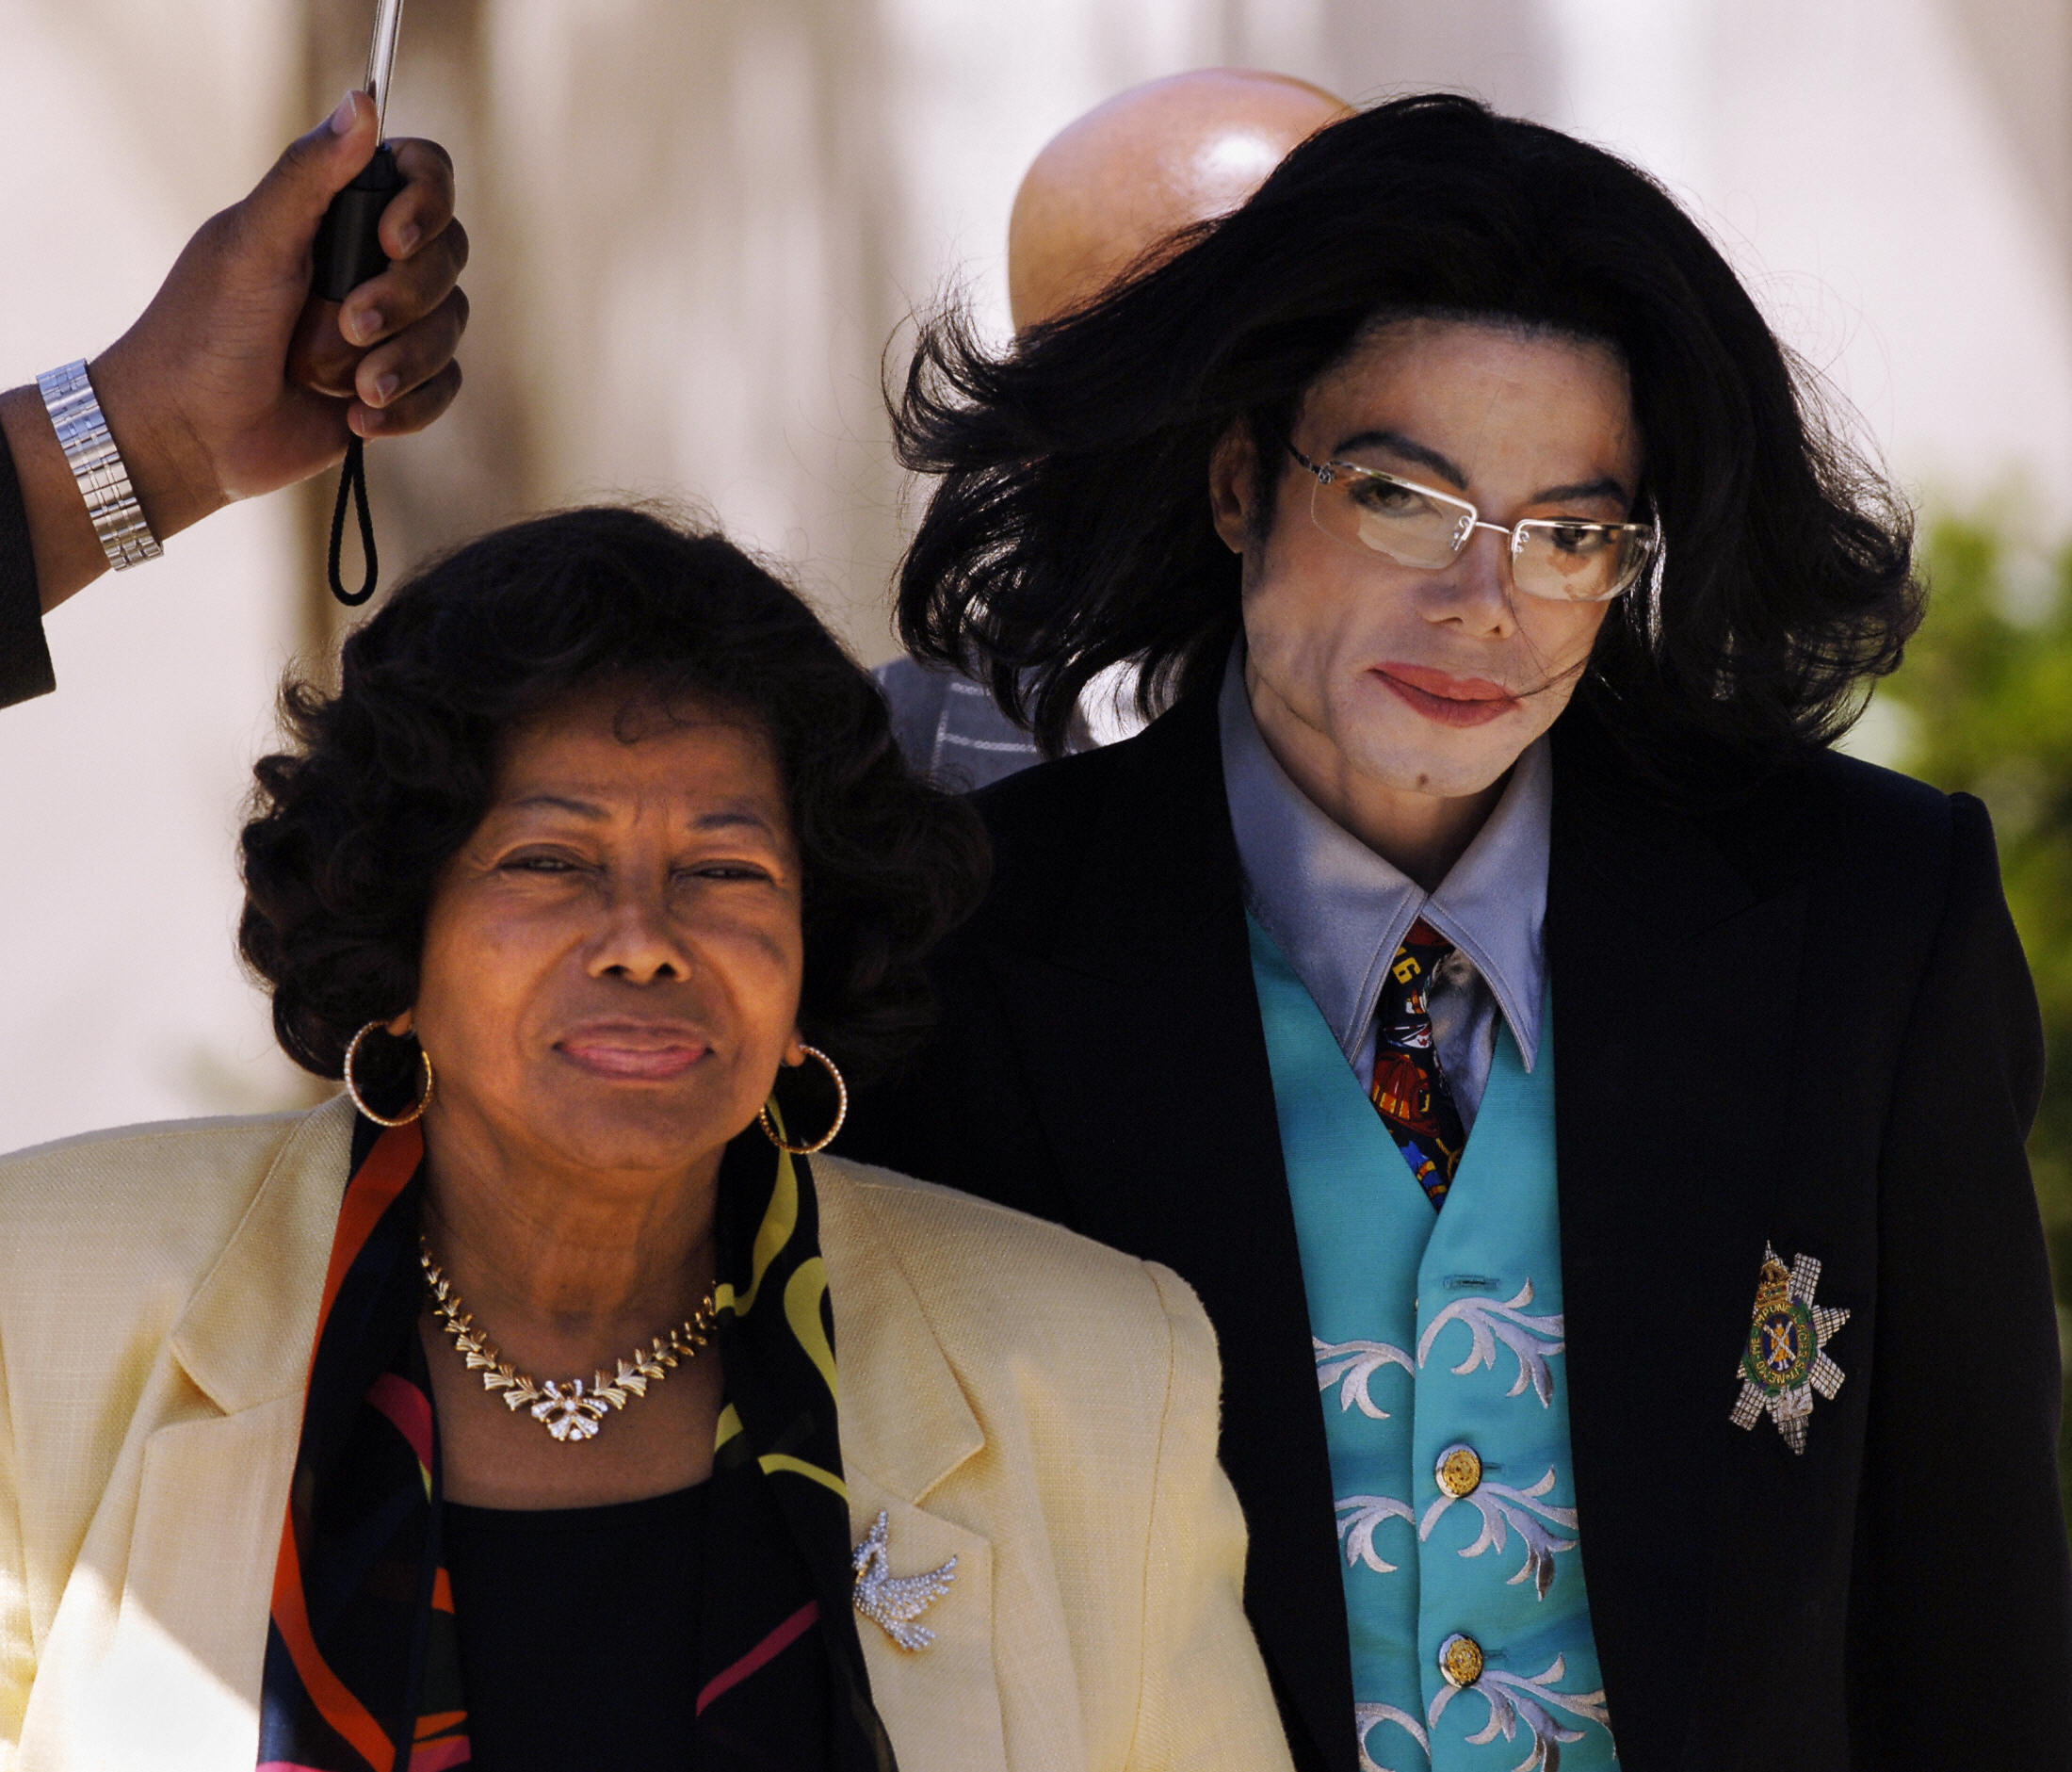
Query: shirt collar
[(1339, 911)]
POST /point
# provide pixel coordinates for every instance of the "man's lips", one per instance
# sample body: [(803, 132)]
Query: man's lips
[(1452, 701), (644, 1051)]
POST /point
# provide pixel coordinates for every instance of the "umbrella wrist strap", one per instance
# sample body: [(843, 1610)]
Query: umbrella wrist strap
[(352, 489)]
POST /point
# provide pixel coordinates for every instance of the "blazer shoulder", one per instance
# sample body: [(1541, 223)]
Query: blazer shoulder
[(134, 1205), (83, 1152), (1854, 828), (1070, 793), (1038, 818), (1889, 839), (1161, 789), (972, 1260), (1833, 782)]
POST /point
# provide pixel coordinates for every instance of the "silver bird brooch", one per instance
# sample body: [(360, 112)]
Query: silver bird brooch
[(894, 1603)]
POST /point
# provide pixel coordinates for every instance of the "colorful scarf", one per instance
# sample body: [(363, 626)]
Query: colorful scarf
[(363, 1666)]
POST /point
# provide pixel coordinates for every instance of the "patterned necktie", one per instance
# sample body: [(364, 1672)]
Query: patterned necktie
[(1408, 1091)]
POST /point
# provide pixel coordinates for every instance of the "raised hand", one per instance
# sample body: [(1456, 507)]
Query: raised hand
[(233, 381)]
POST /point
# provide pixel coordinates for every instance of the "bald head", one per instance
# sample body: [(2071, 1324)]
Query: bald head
[(1152, 160)]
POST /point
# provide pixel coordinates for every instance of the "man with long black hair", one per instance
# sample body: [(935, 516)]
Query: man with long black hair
[(1501, 592), (1105, 192)]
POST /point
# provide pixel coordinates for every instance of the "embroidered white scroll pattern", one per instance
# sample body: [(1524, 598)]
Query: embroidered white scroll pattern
[(1358, 1518), (1367, 1718), (1352, 1366), (1513, 1699), (1505, 1510), (1534, 1340)]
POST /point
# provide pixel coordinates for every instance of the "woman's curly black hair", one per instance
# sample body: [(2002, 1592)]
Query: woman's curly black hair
[(389, 776), (1069, 526)]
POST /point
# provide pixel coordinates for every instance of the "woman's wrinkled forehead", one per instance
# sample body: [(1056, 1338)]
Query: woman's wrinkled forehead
[(617, 756), (632, 711)]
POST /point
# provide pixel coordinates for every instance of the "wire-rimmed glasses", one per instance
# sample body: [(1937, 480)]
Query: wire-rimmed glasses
[(1562, 560)]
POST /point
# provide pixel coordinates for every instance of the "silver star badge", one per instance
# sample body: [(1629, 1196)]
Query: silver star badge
[(1785, 1360), (895, 1603)]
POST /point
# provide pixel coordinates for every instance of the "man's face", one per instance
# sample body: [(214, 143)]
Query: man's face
[(1370, 675)]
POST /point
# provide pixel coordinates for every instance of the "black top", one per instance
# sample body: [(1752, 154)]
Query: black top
[(24, 659), (1799, 1016), (578, 1629)]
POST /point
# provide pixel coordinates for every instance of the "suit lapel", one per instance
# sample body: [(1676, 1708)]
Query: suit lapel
[(1673, 978), (1153, 1092), (905, 1425), (182, 1677), (941, 1706), (182, 1669)]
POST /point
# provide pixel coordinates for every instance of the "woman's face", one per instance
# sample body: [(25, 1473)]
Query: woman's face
[(612, 962), (1416, 681)]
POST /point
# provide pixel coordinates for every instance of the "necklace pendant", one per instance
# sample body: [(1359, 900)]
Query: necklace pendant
[(572, 1409), (568, 1411)]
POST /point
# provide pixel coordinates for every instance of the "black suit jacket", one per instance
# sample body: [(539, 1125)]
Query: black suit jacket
[(1804, 1019), (25, 658)]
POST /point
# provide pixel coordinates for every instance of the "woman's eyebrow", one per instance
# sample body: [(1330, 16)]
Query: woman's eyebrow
[(718, 818), (558, 802), (730, 818)]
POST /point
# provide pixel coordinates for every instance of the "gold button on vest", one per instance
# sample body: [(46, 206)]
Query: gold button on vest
[(1459, 1472), (1460, 1661)]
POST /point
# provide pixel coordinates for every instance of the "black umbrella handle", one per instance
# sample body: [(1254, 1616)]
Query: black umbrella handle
[(349, 245), (348, 251)]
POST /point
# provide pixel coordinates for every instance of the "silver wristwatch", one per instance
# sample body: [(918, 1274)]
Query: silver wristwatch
[(97, 465)]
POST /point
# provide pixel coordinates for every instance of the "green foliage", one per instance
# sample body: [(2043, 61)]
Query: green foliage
[(1985, 705)]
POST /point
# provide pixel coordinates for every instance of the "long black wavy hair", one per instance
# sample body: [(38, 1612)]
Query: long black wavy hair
[(1070, 528), (387, 778)]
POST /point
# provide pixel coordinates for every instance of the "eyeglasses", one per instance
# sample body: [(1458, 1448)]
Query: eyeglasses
[(1564, 560)]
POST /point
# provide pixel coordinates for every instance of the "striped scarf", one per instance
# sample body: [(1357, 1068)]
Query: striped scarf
[(363, 1667)]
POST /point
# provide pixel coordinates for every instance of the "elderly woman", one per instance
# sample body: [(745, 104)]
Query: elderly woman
[(489, 1415)]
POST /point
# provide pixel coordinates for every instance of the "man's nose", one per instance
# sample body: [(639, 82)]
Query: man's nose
[(1475, 590)]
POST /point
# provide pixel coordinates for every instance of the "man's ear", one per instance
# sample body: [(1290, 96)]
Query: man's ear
[(1234, 485)]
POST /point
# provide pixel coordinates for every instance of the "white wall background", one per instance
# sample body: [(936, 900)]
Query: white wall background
[(695, 229), (119, 997)]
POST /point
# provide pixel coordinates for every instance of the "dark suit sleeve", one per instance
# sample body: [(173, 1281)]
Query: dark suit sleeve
[(1961, 1614), (25, 658), (960, 1113)]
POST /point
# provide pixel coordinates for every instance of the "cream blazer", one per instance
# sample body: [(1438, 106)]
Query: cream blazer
[(1038, 1406)]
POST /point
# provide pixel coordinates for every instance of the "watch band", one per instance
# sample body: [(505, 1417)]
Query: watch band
[(97, 465)]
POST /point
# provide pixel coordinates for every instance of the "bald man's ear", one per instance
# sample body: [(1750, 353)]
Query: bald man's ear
[(1234, 494)]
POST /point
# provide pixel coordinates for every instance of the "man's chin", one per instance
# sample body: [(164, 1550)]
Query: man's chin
[(1444, 771)]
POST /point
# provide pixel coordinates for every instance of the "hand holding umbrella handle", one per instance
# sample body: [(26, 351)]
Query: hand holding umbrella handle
[(349, 245), (348, 251)]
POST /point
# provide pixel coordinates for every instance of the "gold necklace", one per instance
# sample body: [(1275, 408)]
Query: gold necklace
[(570, 1409)]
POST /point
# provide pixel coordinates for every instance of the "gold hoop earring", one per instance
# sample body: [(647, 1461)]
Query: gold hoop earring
[(360, 1101), (841, 1110)]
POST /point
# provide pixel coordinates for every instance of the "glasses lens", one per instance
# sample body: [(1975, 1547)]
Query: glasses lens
[(1578, 562), (1408, 525)]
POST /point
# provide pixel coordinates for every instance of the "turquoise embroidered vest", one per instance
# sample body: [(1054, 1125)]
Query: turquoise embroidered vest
[(1439, 1341)]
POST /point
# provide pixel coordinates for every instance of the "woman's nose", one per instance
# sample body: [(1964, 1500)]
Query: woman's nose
[(640, 942)]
